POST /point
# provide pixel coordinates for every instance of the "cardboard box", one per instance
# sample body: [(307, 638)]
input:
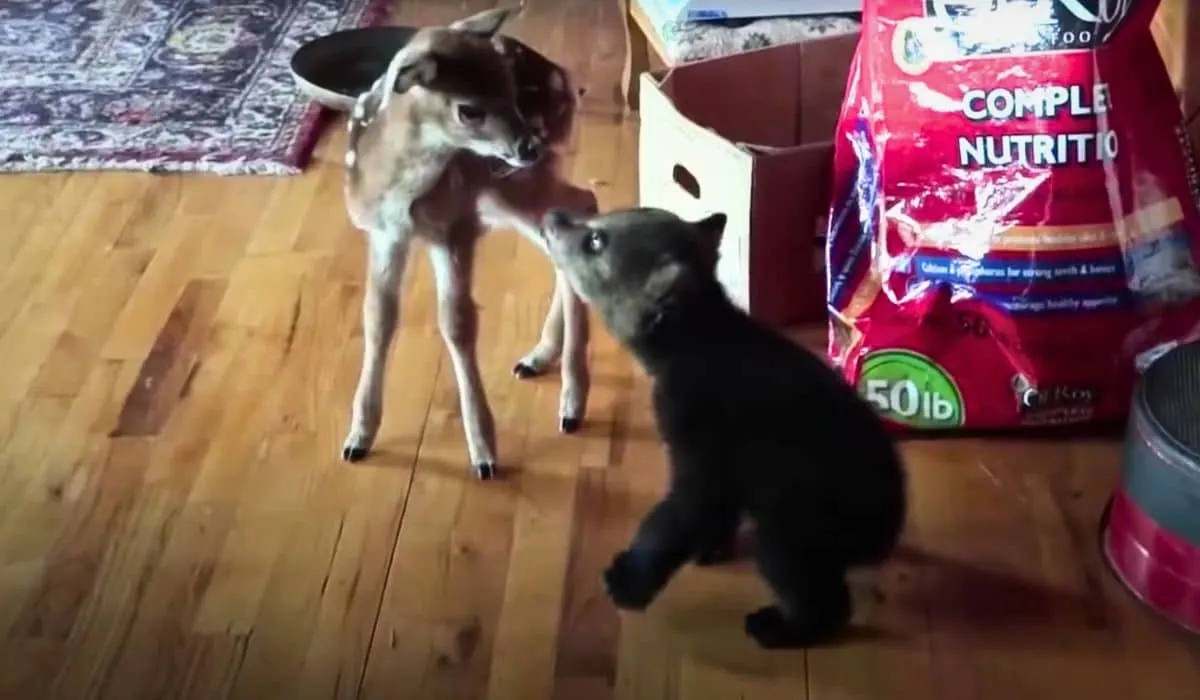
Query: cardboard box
[(1176, 29), (662, 11), (750, 135)]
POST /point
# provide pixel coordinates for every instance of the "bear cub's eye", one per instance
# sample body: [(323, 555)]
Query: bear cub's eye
[(594, 242)]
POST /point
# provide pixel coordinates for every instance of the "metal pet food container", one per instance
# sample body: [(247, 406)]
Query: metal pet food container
[(1151, 529)]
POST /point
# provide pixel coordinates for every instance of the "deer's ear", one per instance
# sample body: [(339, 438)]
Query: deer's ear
[(421, 71), (486, 23)]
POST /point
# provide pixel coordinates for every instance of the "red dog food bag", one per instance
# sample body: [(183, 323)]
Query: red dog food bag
[(1014, 225)]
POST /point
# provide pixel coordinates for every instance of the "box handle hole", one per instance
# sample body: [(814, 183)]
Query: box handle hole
[(686, 181)]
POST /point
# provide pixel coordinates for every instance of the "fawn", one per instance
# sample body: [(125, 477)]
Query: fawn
[(462, 133)]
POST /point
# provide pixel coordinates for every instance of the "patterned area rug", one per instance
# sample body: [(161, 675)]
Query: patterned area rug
[(161, 85)]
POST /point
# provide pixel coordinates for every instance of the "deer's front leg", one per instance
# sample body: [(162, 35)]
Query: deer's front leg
[(565, 337), (458, 320), (387, 255), (542, 357), (522, 202), (576, 380)]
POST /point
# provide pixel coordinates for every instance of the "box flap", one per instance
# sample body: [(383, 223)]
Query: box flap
[(657, 104), (778, 97), (693, 172)]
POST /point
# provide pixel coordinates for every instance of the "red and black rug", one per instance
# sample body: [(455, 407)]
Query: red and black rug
[(161, 85)]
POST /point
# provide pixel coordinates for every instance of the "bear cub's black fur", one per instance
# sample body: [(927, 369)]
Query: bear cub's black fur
[(753, 424)]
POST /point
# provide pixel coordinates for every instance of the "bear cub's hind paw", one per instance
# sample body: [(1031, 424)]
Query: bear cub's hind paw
[(771, 629)]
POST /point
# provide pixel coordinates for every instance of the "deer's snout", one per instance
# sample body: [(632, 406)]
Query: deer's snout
[(555, 220), (529, 149)]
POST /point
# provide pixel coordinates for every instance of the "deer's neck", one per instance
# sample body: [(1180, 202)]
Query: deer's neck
[(414, 151)]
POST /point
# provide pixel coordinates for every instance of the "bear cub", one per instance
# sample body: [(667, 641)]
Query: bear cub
[(753, 424)]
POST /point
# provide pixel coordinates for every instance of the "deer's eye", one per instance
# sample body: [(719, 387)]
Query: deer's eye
[(470, 114)]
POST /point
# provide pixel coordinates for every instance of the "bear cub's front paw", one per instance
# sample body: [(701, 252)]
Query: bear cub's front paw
[(716, 554), (628, 583)]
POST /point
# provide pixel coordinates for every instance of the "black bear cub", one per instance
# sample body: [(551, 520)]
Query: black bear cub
[(753, 425)]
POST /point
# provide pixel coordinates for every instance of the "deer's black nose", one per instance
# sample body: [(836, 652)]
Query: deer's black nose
[(529, 149), (556, 219)]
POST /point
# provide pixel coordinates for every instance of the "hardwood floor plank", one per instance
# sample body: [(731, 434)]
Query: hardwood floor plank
[(209, 231), (42, 310), (23, 201), (437, 619), (585, 664), (76, 555), (291, 601), (154, 656), (215, 662), (324, 227), (156, 292), (105, 293), (101, 628), (287, 211), (165, 371), (49, 487), (40, 660), (30, 433), (346, 624)]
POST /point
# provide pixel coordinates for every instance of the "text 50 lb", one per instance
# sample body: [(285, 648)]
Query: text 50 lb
[(905, 399)]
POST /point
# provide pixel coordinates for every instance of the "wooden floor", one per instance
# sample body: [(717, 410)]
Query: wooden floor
[(177, 358)]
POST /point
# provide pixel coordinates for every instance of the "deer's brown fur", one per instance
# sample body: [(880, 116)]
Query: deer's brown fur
[(460, 135)]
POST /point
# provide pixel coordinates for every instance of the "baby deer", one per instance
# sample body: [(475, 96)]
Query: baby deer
[(461, 134)]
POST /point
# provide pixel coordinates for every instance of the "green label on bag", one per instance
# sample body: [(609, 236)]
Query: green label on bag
[(911, 389)]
